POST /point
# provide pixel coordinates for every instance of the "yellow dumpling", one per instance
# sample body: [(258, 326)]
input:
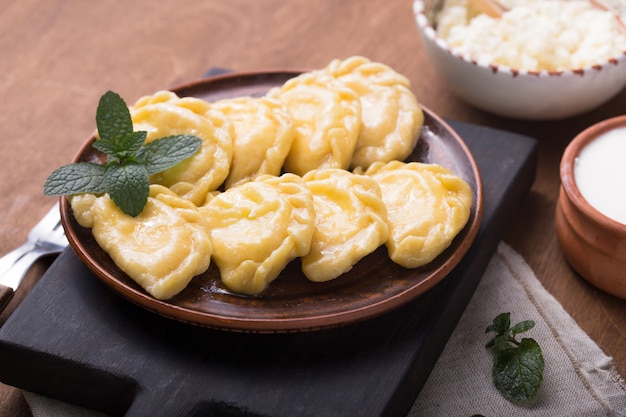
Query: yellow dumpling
[(162, 96), (427, 206), (263, 135), (161, 249), (257, 228), (164, 114), (391, 118), (327, 117), (350, 222)]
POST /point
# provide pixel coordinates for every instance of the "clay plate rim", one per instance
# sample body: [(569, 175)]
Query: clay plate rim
[(292, 303)]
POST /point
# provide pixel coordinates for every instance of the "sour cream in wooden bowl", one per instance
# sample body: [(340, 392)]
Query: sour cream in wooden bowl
[(600, 173), (591, 209)]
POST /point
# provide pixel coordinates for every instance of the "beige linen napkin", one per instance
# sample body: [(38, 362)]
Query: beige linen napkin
[(579, 379)]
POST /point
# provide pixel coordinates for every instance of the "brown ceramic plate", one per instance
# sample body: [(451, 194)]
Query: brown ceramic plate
[(292, 303)]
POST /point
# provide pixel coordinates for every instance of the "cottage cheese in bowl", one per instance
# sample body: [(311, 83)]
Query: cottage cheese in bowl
[(540, 60), (535, 35)]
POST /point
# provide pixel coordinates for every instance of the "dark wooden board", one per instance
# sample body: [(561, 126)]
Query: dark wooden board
[(74, 339)]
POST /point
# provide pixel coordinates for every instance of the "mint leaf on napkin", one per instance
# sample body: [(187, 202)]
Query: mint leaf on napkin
[(518, 365), (129, 161)]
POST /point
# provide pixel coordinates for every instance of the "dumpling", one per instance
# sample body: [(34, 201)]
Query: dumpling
[(161, 249), (257, 228), (162, 96), (427, 206), (350, 222), (263, 135), (327, 117), (164, 114), (391, 118)]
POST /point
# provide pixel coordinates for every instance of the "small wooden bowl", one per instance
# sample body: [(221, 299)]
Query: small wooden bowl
[(593, 244)]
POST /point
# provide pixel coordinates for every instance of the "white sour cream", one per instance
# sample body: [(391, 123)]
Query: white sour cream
[(600, 174)]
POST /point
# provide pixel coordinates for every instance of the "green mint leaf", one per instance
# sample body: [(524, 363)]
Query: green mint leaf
[(500, 324), (167, 152), (518, 366), (83, 177), (113, 119), (128, 187), (130, 161), (518, 371), (132, 142), (522, 326), (501, 341), (123, 149), (106, 147)]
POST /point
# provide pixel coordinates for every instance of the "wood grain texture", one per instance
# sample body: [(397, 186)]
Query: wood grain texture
[(59, 56)]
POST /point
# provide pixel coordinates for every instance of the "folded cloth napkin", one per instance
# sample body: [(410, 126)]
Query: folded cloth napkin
[(579, 380)]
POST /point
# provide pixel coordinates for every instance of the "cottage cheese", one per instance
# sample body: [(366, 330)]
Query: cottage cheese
[(534, 35)]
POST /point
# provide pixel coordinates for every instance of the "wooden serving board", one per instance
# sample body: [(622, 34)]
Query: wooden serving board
[(74, 339)]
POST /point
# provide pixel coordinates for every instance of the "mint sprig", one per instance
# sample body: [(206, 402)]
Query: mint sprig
[(129, 163), (518, 365)]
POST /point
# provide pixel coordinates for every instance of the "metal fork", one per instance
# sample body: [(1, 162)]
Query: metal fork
[(46, 238)]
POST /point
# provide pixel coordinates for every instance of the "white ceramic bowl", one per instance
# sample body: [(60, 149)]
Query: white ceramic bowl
[(515, 93)]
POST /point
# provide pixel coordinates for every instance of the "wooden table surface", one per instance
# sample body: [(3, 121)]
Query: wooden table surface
[(59, 56)]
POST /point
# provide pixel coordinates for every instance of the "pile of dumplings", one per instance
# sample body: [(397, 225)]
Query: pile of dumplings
[(312, 170)]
